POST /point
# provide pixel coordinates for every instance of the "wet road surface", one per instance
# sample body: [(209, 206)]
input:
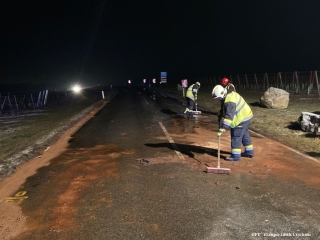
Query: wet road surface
[(136, 171)]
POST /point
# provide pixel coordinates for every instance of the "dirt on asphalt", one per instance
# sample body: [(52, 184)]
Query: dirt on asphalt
[(271, 157), (12, 221)]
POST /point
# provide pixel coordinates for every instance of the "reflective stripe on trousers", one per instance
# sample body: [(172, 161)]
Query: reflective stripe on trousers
[(240, 136)]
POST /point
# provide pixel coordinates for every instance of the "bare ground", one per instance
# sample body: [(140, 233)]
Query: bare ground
[(12, 221)]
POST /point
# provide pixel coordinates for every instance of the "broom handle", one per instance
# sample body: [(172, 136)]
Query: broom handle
[(219, 152)]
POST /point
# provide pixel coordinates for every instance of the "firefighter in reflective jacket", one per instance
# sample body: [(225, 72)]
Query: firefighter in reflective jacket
[(236, 115), (191, 95)]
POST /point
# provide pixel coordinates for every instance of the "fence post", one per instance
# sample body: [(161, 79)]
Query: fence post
[(2, 105), (32, 102), (15, 100), (255, 77), (239, 80), (231, 78), (318, 87), (293, 80), (297, 80), (45, 98), (39, 100), (311, 78), (280, 78), (265, 79), (247, 81), (10, 104)]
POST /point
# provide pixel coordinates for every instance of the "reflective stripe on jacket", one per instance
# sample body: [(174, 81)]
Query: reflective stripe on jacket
[(236, 110), (191, 93)]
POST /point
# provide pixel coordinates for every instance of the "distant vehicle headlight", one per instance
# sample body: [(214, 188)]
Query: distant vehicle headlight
[(76, 88)]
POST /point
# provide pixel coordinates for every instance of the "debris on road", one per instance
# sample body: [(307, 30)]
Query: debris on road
[(143, 161)]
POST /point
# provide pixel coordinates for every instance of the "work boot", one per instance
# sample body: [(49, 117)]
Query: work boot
[(191, 115), (234, 157), (248, 154)]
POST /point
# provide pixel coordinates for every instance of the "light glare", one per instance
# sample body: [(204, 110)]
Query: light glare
[(76, 88)]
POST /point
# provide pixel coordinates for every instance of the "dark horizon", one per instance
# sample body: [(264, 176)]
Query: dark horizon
[(58, 42)]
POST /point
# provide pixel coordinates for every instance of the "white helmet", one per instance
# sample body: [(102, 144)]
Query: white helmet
[(198, 84), (219, 92)]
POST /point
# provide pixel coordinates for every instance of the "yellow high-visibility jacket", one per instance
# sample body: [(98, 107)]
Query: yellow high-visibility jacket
[(192, 92), (236, 110)]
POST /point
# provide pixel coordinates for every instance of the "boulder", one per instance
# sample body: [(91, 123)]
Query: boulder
[(275, 98)]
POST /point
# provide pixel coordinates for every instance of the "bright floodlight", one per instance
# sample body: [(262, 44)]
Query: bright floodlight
[(76, 88)]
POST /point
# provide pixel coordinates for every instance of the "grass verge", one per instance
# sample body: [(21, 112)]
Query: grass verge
[(279, 124), (26, 135)]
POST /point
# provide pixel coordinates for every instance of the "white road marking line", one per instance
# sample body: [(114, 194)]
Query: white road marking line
[(257, 134), (145, 100), (171, 141)]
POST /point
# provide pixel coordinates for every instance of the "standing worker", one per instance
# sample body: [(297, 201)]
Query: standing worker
[(236, 115), (227, 84), (192, 93)]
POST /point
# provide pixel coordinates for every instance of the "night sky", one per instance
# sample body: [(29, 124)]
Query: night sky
[(111, 41)]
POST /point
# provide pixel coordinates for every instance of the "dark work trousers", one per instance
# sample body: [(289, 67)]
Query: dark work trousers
[(240, 135), (191, 104)]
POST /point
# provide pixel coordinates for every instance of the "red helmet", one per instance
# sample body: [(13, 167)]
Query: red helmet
[(224, 81)]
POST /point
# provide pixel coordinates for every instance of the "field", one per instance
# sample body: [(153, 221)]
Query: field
[(25, 135)]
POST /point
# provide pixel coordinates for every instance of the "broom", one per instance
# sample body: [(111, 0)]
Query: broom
[(218, 169), (196, 111)]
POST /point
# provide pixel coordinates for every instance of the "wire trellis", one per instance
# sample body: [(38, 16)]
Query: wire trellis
[(292, 82)]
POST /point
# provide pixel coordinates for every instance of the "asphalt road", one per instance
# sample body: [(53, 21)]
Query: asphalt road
[(136, 171)]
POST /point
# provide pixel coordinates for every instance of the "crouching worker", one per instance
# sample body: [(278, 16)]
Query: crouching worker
[(236, 115)]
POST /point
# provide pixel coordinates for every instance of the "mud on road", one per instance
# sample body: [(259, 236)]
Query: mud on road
[(277, 181), (12, 221)]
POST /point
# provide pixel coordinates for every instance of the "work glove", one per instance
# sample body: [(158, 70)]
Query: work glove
[(221, 130)]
